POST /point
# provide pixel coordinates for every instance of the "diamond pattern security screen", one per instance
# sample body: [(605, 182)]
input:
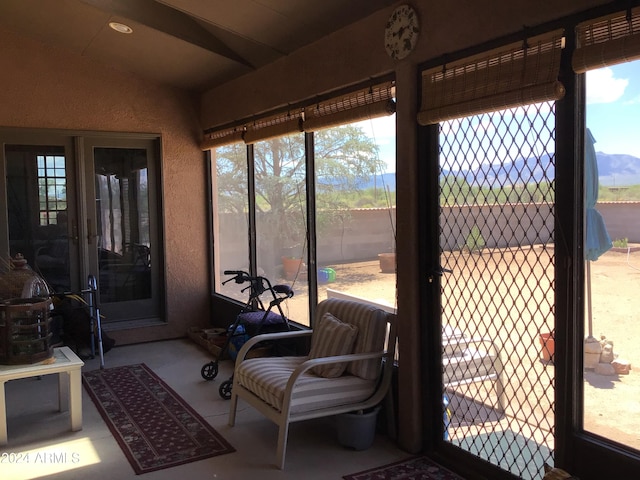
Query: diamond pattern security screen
[(496, 239)]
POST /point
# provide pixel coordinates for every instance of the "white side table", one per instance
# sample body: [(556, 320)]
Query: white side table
[(68, 367)]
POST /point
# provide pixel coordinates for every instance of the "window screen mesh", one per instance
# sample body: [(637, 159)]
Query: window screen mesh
[(497, 175)]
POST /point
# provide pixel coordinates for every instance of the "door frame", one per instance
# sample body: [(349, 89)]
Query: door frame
[(78, 190), (584, 454), (150, 143)]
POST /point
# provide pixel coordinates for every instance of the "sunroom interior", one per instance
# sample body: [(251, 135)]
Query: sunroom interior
[(250, 119)]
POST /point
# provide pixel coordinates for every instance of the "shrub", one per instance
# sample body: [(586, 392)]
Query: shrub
[(621, 242), (475, 240)]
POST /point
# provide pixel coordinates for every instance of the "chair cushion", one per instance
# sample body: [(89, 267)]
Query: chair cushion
[(372, 332), (331, 337), (267, 378)]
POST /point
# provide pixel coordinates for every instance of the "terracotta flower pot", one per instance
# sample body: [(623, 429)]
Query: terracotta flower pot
[(291, 267), (387, 262), (548, 344)]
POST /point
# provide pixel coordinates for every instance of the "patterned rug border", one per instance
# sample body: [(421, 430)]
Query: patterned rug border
[(418, 467), (137, 466)]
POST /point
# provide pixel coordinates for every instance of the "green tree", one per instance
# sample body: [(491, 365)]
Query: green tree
[(231, 178), (344, 157)]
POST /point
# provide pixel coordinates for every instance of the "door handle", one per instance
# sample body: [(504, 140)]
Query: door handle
[(438, 272)]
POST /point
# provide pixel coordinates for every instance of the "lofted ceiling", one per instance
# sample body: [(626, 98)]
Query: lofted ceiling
[(189, 44)]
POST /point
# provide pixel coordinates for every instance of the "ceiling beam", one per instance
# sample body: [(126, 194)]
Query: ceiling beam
[(170, 21)]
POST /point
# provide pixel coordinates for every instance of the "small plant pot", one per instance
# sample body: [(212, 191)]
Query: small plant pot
[(358, 430)]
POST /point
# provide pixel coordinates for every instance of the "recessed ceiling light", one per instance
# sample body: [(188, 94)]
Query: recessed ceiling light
[(121, 27)]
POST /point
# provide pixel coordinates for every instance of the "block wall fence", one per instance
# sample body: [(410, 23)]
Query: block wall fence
[(365, 233)]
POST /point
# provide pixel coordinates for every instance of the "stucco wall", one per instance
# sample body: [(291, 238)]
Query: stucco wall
[(53, 89), (622, 219), (361, 234), (367, 232)]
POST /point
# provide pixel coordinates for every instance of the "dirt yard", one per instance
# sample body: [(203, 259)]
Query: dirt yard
[(611, 403)]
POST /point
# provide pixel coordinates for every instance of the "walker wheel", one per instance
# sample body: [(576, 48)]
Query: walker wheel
[(209, 370), (225, 389)]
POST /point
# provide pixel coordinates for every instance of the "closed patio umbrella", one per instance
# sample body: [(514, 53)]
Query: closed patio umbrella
[(597, 239)]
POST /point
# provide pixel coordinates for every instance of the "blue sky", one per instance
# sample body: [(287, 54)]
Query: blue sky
[(613, 108), (383, 131)]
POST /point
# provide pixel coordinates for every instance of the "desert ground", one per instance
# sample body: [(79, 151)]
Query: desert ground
[(525, 278)]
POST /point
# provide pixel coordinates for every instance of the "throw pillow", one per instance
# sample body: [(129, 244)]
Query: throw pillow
[(331, 337)]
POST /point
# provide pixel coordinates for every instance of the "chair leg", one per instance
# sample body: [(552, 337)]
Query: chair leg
[(283, 433), (232, 409), (500, 393), (500, 385)]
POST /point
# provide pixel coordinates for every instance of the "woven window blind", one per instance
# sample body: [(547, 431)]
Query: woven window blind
[(274, 126), (514, 75), (221, 137), (370, 102), (607, 41)]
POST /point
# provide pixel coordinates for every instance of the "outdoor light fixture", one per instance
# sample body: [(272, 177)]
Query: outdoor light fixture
[(121, 27)]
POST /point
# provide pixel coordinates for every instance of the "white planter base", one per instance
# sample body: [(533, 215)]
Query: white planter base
[(357, 431)]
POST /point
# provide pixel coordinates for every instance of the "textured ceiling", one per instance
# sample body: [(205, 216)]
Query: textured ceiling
[(190, 44)]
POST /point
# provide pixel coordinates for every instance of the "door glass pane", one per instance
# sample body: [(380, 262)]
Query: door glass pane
[(356, 214), (497, 229), (123, 229), (612, 263), (37, 209), (281, 218)]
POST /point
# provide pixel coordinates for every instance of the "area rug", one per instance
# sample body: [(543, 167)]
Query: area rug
[(414, 468), (155, 428)]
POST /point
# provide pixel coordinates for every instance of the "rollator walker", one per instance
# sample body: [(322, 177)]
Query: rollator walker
[(252, 320)]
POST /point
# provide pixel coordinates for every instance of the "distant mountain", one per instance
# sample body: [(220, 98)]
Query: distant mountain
[(613, 170), (618, 169), (512, 173), (380, 181)]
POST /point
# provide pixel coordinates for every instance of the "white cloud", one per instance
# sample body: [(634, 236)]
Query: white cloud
[(380, 128), (603, 87)]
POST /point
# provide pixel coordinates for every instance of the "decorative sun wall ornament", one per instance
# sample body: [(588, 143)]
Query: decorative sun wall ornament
[(401, 32)]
